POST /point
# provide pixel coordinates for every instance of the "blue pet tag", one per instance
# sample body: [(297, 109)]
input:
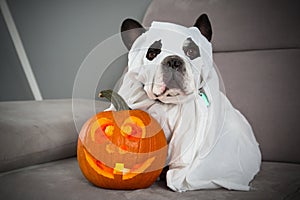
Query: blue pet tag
[(204, 97)]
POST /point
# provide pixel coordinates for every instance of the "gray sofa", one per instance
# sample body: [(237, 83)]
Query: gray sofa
[(256, 48)]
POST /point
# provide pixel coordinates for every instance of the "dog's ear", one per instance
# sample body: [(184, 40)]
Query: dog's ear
[(130, 31), (203, 24)]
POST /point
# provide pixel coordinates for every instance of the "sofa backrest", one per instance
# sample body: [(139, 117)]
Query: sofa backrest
[(256, 48)]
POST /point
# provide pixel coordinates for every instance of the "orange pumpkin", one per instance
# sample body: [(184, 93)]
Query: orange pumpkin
[(123, 149)]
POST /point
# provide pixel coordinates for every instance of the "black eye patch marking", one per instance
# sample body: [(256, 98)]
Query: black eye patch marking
[(191, 49), (154, 50)]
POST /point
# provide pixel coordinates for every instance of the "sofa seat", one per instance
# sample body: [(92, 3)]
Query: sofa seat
[(37, 160), (63, 180)]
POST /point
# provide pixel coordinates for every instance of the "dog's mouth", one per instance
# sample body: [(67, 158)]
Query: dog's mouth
[(172, 84), (169, 92)]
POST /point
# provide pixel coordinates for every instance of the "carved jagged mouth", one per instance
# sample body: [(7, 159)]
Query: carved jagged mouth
[(119, 168)]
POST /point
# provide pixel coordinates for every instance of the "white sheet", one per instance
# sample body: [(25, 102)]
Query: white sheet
[(209, 146)]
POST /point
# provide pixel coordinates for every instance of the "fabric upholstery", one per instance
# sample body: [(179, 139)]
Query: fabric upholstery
[(237, 24), (256, 45), (259, 84), (63, 180), (34, 132)]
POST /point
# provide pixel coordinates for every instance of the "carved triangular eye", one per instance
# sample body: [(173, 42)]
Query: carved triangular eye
[(133, 128), (101, 129)]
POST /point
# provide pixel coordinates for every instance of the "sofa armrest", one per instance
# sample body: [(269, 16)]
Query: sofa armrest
[(33, 132)]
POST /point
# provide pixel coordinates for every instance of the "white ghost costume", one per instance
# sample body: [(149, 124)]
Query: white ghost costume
[(210, 146)]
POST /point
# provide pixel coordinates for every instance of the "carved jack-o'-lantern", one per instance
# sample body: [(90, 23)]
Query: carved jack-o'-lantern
[(123, 149)]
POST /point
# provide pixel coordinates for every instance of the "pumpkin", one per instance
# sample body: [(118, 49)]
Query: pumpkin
[(122, 149)]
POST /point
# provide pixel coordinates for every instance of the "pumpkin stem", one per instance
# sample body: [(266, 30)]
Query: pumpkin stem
[(118, 102)]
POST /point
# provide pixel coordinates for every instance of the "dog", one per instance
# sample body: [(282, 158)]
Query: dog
[(171, 76)]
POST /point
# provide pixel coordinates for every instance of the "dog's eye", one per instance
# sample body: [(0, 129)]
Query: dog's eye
[(192, 53), (154, 50), (152, 53), (190, 49)]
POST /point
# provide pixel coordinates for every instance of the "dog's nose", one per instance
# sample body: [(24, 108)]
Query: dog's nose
[(173, 62)]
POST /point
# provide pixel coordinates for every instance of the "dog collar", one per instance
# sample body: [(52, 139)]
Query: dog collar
[(204, 97)]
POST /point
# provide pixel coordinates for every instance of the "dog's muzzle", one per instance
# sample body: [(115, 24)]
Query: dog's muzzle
[(174, 63), (173, 69)]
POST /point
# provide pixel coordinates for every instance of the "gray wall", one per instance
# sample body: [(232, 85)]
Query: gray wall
[(57, 35), (13, 83)]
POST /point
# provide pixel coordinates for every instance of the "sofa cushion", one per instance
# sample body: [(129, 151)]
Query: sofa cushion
[(63, 180), (237, 25), (256, 46), (38, 131), (264, 85)]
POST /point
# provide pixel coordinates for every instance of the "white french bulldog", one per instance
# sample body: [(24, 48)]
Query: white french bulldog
[(171, 75)]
